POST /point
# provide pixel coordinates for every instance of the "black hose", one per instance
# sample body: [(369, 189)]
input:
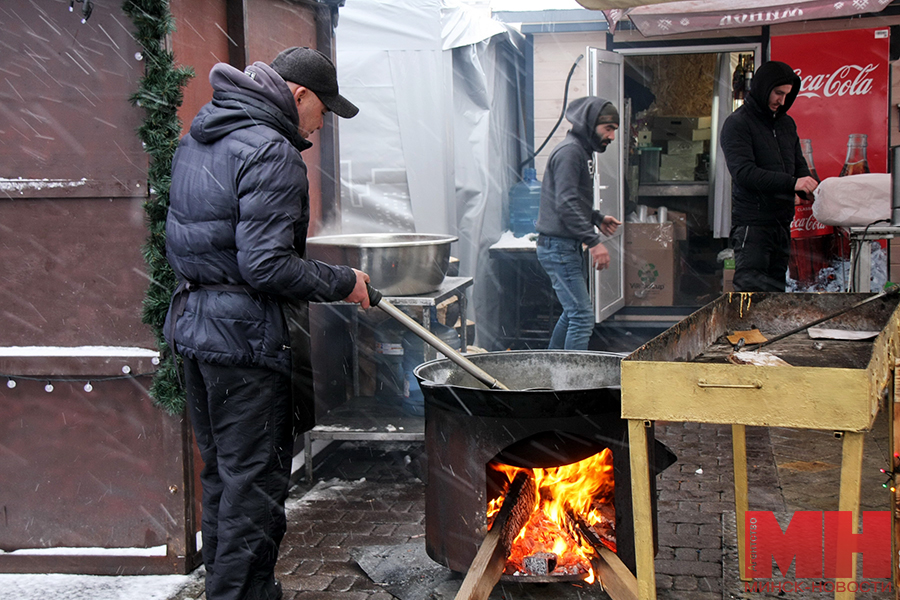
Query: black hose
[(561, 114)]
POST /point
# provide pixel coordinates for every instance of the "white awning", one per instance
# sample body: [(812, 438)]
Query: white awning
[(666, 17)]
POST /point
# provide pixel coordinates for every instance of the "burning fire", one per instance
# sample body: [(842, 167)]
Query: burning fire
[(581, 491)]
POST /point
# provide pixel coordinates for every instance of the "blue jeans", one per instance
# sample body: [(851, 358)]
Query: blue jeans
[(563, 260)]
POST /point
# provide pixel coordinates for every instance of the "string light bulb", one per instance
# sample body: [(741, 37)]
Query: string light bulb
[(10, 383), (88, 387), (48, 388)]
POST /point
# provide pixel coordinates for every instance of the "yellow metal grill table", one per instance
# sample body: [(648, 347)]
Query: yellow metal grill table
[(686, 375)]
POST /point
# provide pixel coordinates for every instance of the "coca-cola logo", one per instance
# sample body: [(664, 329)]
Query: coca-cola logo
[(806, 225), (852, 80)]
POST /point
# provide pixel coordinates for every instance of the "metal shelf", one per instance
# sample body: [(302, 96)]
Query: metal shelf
[(688, 188), (377, 419)]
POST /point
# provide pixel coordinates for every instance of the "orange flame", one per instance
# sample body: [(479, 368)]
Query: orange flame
[(583, 489)]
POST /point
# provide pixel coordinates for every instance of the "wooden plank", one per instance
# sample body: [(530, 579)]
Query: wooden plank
[(741, 500), (488, 564), (642, 512), (617, 580)]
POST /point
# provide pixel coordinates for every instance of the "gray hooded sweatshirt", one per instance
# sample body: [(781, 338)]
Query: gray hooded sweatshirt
[(567, 192)]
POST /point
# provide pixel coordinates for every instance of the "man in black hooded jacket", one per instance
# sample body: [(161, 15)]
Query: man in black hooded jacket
[(767, 168), (236, 238)]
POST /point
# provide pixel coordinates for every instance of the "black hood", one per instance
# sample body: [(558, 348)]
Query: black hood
[(583, 113), (769, 76), (257, 95)]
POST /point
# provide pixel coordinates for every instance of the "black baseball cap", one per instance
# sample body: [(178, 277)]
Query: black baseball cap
[(315, 71)]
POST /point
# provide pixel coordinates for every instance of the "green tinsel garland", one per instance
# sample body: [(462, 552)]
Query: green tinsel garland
[(160, 93)]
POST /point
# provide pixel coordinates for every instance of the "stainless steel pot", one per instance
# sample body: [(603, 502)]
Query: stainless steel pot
[(399, 264)]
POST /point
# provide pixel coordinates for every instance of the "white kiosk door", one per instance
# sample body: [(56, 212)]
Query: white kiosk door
[(606, 80)]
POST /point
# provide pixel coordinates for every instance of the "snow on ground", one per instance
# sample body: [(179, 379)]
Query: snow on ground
[(93, 587)]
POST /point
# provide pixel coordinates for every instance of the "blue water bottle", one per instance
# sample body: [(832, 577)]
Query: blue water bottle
[(524, 202)]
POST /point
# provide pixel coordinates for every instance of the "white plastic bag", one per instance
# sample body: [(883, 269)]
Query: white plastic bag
[(854, 200)]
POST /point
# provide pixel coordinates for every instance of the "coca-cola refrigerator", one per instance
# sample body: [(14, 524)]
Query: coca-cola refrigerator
[(841, 114)]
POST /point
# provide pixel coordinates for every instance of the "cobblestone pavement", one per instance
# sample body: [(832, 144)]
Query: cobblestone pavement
[(368, 495)]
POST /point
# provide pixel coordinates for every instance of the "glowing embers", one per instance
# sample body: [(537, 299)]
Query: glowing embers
[(573, 507)]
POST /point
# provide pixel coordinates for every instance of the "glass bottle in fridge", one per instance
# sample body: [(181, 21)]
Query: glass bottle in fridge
[(856, 162)]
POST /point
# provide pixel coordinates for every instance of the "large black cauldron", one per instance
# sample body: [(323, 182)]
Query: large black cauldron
[(562, 406)]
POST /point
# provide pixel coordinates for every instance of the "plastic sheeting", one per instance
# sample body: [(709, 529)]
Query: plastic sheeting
[(440, 132)]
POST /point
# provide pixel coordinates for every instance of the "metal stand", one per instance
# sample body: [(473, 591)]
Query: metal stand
[(375, 420), (861, 253)]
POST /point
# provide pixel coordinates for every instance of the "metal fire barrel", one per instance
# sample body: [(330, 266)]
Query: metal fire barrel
[(562, 407)]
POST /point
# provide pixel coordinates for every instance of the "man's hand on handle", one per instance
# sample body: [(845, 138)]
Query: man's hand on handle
[(359, 295)]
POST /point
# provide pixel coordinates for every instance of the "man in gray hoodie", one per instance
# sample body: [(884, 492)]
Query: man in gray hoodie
[(566, 218), (236, 239)]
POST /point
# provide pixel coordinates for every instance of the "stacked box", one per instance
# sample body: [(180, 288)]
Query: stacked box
[(687, 129), (683, 139), (677, 167), (680, 147)]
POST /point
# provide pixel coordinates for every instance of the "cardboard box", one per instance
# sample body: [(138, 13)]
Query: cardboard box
[(727, 280), (682, 124), (728, 275), (678, 161), (649, 264), (679, 222), (669, 173), (661, 136), (679, 147)]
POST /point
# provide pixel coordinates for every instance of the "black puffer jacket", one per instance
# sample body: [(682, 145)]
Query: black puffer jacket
[(567, 192), (238, 215), (763, 153)]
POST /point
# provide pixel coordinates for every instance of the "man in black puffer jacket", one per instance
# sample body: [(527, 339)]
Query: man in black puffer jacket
[(236, 237), (767, 167)]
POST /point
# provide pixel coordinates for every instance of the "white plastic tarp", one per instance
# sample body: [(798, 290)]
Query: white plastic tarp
[(437, 142)]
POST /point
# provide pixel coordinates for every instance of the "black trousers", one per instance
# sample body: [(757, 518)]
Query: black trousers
[(761, 256), (242, 421)]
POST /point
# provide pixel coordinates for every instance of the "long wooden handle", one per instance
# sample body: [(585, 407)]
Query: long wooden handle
[(376, 299)]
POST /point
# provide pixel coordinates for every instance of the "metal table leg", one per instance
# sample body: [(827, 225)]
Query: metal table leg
[(741, 501), (464, 334), (307, 455), (851, 478), (642, 512)]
